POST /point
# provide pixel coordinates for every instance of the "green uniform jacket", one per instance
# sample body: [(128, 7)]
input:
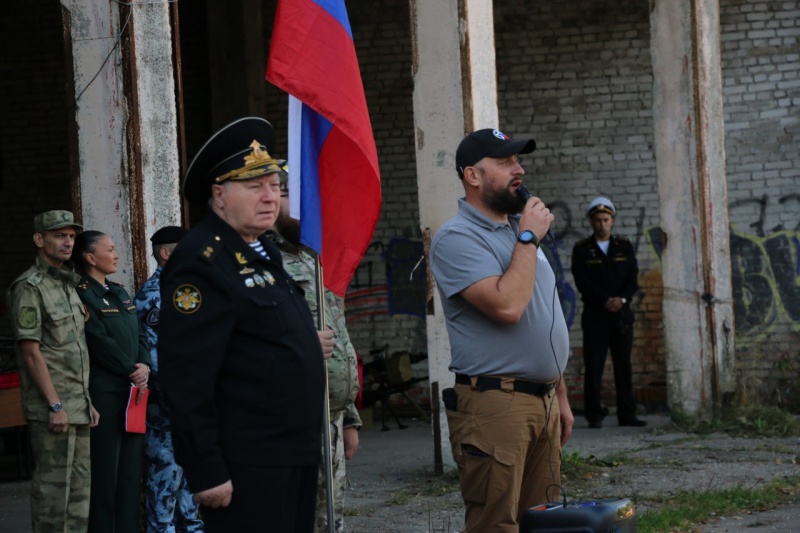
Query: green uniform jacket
[(116, 342), (46, 309), (343, 365)]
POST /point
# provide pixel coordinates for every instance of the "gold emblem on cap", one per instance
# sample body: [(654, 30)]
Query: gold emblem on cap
[(256, 163), (187, 299)]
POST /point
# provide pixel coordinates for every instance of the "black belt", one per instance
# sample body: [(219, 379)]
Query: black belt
[(484, 383)]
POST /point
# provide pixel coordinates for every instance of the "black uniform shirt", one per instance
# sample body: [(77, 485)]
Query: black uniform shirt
[(241, 365), (600, 276)]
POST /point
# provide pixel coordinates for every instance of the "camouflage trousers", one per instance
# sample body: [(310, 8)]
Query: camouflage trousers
[(338, 479), (62, 478), (169, 503)]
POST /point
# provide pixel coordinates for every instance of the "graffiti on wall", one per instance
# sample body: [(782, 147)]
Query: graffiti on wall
[(765, 270)]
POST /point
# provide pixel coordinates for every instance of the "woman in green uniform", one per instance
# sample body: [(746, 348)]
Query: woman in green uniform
[(118, 357)]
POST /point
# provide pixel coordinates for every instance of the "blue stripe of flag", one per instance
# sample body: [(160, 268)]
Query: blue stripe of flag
[(315, 129), (337, 10)]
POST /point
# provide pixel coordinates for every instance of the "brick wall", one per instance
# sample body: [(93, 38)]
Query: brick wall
[(577, 76), (761, 77), (34, 160)]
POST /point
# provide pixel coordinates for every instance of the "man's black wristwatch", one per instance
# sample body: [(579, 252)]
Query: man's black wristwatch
[(528, 237), (55, 408)]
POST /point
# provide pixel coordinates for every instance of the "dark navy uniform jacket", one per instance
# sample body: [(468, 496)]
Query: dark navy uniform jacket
[(241, 365), (599, 276)]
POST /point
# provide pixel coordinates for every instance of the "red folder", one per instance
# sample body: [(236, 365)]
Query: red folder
[(136, 415)]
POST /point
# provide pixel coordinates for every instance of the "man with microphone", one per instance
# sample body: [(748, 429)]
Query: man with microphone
[(508, 413)]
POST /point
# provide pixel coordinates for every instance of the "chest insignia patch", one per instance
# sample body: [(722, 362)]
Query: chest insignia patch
[(258, 279), (27, 318), (246, 271), (187, 299), (240, 258), (250, 283), (270, 279)]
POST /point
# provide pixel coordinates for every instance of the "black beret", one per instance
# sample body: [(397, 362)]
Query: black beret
[(239, 151), (168, 235)]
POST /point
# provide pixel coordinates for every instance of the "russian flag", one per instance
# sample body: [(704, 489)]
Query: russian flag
[(332, 155)]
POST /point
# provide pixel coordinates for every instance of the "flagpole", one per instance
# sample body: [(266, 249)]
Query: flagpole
[(326, 417)]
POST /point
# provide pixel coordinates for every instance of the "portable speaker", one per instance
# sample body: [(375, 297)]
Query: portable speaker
[(595, 516)]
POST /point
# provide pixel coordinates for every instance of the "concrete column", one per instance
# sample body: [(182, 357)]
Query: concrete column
[(124, 147), (455, 92), (99, 146), (690, 156)]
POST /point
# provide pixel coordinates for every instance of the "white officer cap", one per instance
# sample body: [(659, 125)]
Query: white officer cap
[(601, 204)]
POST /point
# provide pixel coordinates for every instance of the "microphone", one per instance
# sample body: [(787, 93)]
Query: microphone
[(525, 195)]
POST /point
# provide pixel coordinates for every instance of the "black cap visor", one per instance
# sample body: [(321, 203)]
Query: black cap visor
[(524, 146)]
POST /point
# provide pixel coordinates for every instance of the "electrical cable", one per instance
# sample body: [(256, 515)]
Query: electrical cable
[(117, 41)]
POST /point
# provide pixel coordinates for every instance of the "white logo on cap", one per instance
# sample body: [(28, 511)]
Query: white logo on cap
[(500, 135)]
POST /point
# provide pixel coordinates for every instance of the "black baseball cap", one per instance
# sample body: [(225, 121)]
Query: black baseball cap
[(488, 143)]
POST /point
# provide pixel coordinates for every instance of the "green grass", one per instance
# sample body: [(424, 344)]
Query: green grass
[(682, 511), (743, 420)]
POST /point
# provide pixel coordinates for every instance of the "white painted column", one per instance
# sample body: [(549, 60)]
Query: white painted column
[(158, 123), (126, 193), (690, 156), (455, 92)]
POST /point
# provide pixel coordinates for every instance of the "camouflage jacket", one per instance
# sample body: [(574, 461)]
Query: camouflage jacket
[(148, 309), (343, 365), (45, 308)]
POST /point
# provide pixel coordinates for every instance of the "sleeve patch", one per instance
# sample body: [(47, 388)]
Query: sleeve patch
[(28, 318), (152, 317), (187, 299)]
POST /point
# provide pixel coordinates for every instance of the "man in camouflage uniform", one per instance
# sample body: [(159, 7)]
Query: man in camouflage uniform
[(342, 366), (170, 505), (53, 361)]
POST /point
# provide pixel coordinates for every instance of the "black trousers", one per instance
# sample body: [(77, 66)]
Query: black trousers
[(603, 332), (268, 499)]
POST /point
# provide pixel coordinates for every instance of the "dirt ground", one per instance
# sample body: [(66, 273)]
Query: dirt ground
[(393, 488)]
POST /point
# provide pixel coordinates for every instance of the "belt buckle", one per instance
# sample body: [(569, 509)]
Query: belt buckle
[(507, 384)]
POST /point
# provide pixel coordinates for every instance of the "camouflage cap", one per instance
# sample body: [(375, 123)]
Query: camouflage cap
[(50, 220)]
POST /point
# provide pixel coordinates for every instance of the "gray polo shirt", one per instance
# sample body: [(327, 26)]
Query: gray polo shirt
[(468, 248)]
